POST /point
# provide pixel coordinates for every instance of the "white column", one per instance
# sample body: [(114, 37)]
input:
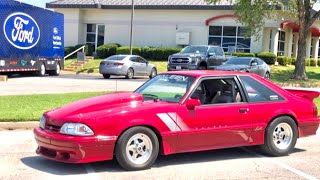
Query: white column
[(308, 45), (266, 39), (295, 44), (315, 47), (288, 43), (274, 41)]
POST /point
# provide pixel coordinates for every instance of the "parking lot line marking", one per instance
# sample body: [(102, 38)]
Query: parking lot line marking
[(285, 166)]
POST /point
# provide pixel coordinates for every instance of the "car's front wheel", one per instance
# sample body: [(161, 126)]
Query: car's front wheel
[(280, 136), (153, 73), (267, 75), (130, 73), (137, 148)]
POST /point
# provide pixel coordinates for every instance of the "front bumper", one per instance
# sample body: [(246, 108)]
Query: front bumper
[(74, 149), (177, 67)]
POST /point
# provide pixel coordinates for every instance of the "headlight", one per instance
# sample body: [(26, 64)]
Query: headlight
[(76, 129), (42, 124)]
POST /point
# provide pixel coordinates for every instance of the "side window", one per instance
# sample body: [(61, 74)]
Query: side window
[(141, 60), (217, 91), (133, 59), (258, 92), (259, 61), (219, 52)]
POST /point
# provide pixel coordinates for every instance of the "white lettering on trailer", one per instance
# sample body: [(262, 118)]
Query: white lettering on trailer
[(19, 34)]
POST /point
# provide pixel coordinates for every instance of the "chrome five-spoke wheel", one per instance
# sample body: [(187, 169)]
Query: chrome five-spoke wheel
[(139, 148), (282, 136)]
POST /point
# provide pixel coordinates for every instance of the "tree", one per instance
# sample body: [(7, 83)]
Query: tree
[(253, 13)]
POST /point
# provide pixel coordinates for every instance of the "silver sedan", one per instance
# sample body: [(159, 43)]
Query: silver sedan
[(127, 65)]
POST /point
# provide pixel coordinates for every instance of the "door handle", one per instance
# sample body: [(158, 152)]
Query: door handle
[(243, 110)]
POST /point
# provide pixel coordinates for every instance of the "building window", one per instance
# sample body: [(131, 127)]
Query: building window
[(293, 45), (95, 35), (226, 36), (281, 43)]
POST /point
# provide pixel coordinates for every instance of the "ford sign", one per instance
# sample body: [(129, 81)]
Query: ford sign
[(21, 30)]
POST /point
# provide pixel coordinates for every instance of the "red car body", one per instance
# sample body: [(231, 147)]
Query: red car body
[(179, 128)]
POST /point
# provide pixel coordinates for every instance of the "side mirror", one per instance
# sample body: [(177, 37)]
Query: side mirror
[(254, 64), (192, 103)]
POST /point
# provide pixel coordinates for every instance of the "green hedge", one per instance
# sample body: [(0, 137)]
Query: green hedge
[(88, 49), (318, 62), (307, 62), (241, 54), (313, 62), (283, 60), (268, 57), (126, 50), (68, 50), (159, 53), (293, 61), (107, 50)]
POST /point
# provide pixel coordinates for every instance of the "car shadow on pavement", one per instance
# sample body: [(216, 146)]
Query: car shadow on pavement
[(58, 168)]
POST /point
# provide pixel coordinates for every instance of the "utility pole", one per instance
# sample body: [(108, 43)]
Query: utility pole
[(131, 28)]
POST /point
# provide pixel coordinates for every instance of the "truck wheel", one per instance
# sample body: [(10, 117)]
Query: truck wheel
[(280, 136), (106, 76), (42, 70), (137, 148), (55, 72)]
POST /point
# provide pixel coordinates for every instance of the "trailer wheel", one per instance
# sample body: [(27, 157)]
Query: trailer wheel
[(55, 72), (42, 70)]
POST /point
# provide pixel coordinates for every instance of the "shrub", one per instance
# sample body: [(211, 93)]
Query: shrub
[(283, 60), (268, 57), (126, 50), (318, 62), (307, 62), (313, 62), (86, 48), (106, 50), (159, 53), (293, 61), (68, 50), (241, 54)]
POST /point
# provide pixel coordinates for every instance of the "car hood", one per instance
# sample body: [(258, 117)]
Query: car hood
[(232, 67), (84, 109), (187, 55)]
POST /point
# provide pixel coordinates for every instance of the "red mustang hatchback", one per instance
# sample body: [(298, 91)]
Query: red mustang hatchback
[(179, 112)]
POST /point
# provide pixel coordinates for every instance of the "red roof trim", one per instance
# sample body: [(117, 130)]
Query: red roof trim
[(295, 27), (220, 17)]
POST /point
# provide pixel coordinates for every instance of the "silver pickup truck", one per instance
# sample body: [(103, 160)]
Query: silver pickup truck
[(197, 57)]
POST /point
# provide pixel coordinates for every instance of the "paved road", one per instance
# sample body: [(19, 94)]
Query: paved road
[(67, 83), (18, 161)]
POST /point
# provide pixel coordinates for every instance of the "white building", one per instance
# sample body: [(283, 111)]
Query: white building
[(171, 23)]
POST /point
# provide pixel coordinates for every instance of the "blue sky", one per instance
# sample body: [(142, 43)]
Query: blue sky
[(39, 3)]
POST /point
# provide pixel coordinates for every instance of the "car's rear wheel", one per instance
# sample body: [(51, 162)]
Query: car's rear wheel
[(130, 73), (137, 148), (280, 136), (267, 75), (106, 76), (153, 73)]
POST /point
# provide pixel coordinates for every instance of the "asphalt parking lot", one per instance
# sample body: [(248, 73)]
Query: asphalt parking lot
[(65, 83), (19, 161)]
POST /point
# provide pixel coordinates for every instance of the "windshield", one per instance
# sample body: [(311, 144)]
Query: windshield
[(239, 61), (166, 87), (116, 58), (195, 49)]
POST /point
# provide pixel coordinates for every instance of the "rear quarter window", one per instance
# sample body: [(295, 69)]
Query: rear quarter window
[(258, 92)]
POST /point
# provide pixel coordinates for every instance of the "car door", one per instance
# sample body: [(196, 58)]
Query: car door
[(261, 67), (214, 125), (135, 64), (143, 66), (212, 57), (254, 68)]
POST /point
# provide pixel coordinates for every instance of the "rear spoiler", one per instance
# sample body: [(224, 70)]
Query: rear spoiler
[(304, 93)]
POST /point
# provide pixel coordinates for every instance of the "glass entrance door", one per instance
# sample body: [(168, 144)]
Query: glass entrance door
[(95, 35)]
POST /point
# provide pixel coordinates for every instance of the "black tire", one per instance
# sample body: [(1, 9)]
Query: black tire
[(42, 70), (202, 67), (267, 75), (55, 72), (106, 76), (130, 73), (123, 153), (272, 139), (153, 73)]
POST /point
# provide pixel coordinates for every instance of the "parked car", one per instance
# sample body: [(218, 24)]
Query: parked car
[(196, 57), (127, 65), (177, 112), (247, 64)]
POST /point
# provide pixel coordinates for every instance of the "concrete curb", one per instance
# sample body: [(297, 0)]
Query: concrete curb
[(18, 125)]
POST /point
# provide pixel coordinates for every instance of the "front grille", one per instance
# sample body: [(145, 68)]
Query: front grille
[(177, 60), (52, 128)]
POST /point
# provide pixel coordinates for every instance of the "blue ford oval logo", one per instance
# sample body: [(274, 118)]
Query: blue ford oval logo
[(21, 30)]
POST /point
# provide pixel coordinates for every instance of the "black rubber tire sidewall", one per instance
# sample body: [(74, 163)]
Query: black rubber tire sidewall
[(151, 73), (120, 151), (106, 76), (269, 147), (127, 76)]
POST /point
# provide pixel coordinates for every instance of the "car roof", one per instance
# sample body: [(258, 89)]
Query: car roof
[(207, 73)]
